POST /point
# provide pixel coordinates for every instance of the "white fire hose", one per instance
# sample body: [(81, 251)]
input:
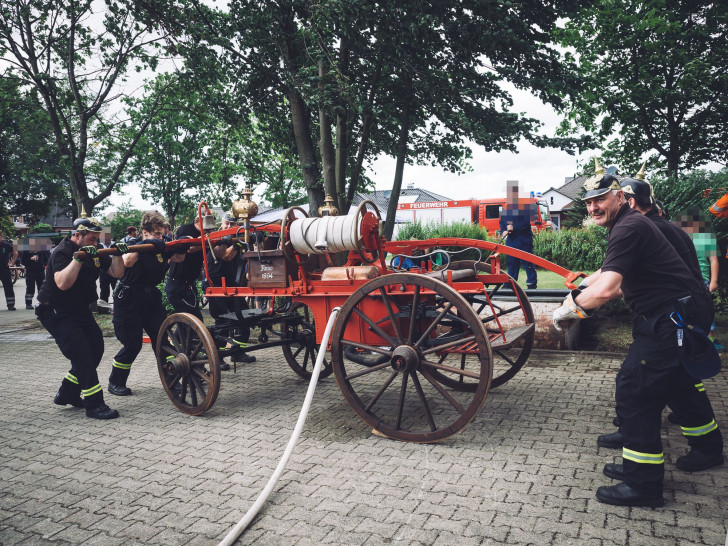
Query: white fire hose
[(327, 234), (236, 531)]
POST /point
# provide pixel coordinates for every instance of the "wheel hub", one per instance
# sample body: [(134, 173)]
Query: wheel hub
[(405, 358), (179, 364)]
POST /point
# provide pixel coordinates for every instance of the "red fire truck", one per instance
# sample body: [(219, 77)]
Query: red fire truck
[(484, 212)]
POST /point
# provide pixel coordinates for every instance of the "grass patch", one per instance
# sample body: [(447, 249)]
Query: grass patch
[(545, 279)]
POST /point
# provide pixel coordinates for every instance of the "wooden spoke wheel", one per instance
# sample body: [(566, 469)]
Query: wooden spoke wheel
[(301, 355), (408, 319), (365, 240), (285, 242), (517, 321), (188, 363)]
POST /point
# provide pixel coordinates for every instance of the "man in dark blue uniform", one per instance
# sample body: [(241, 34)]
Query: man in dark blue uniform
[(68, 289), (138, 302), (515, 224), (7, 257), (642, 266)]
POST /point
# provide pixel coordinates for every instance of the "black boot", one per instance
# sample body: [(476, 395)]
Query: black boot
[(695, 461), (615, 422), (614, 471), (119, 390), (615, 440), (97, 409), (623, 495), (117, 381), (64, 397)]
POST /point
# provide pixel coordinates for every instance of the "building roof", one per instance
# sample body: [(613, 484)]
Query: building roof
[(58, 217), (381, 198), (573, 187)]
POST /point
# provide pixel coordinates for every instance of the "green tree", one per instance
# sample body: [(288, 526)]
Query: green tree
[(41, 228), (30, 167), (75, 56), (655, 79), (125, 216), (360, 78), (7, 227)]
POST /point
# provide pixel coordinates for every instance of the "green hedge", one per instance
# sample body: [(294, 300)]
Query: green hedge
[(574, 249)]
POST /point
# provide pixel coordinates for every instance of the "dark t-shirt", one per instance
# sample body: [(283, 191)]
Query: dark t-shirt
[(149, 270), (83, 291), (680, 241), (6, 252), (189, 269), (653, 272)]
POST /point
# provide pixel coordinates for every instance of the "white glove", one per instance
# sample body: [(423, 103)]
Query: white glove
[(568, 311)]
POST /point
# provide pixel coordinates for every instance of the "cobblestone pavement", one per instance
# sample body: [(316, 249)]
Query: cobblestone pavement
[(523, 472)]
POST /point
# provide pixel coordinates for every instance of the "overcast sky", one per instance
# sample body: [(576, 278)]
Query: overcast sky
[(536, 169)]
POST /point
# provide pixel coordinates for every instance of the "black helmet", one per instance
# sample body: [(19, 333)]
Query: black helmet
[(639, 189), (601, 181), (86, 224), (228, 217)]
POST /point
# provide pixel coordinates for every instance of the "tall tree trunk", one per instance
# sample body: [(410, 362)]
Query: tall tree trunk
[(398, 171), (326, 145), (342, 158), (306, 151)]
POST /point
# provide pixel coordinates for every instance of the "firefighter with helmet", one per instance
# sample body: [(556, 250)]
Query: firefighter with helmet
[(68, 290)]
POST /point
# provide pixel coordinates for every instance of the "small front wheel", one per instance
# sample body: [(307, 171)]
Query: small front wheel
[(188, 363)]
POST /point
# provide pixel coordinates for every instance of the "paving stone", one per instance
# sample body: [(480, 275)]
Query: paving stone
[(523, 472)]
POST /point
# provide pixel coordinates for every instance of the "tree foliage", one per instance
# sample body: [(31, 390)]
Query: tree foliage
[(655, 79), (75, 54), (125, 216), (409, 79), (30, 167)]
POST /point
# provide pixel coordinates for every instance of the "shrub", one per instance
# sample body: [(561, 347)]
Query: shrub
[(574, 249)]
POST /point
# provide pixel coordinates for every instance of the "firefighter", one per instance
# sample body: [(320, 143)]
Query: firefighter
[(8, 255), (137, 300), (68, 289), (639, 196), (231, 267), (181, 285), (641, 265)]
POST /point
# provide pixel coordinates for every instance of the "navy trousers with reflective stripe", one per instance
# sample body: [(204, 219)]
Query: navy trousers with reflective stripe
[(652, 377), (80, 340), (7, 282)]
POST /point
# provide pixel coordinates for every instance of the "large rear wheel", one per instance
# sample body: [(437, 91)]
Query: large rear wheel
[(385, 352)]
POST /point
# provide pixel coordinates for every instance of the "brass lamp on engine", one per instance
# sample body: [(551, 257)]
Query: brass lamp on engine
[(245, 209), (328, 208)]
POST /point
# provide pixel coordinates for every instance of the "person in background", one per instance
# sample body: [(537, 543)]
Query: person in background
[(34, 260), (131, 235), (515, 224), (167, 235), (8, 255), (700, 231)]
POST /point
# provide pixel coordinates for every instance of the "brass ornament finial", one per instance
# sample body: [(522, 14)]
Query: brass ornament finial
[(245, 208), (641, 174), (83, 211), (328, 208)]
